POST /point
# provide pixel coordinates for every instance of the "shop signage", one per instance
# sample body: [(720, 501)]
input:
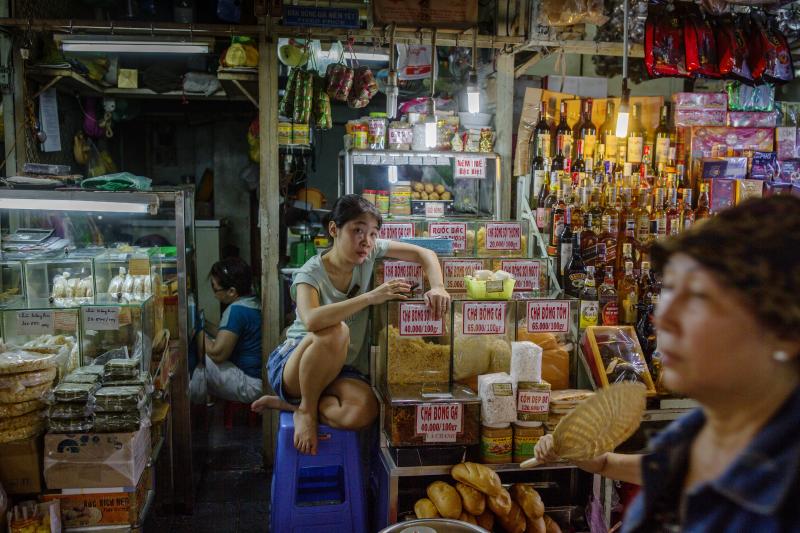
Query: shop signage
[(320, 17), (470, 167), (484, 318), (439, 422), (396, 230), (454, 271), (99, 318), (548, 316), (525, 271), (503, 236), (531, 400), (35, 322), (455, 231), (406, 270), (416, 320)]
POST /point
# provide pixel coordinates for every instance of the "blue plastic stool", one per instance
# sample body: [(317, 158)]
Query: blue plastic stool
[(321, 493)]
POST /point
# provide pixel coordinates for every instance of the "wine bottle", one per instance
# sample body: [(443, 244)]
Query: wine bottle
[(564, 135), (585, 131), (636, 138), (608, 134), (662, 144), (541, 134)]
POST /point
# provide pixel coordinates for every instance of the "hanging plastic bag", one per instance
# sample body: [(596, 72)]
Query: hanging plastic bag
[(254, 148), (323, 119), (414, 62), (664, 53), (701, 47), (364, 88), (340, 81), (732, 49), (769, 53), (570, 12), (198, 386), (303, 97), (286, 105)]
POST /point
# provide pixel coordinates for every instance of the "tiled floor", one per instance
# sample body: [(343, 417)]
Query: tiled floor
[(232, 487)]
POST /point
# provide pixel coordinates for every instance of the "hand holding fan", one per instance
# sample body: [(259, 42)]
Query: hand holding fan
[(599, 424)]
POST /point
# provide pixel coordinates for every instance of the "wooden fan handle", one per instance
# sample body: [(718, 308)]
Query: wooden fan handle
[(529, 463)]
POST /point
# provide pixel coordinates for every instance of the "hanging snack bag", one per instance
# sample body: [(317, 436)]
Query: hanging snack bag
[(732, 49), (286, 105), (322, 106), (364, 88), (664, 53), (340, 81), (701, 47), (769, 53), (304, 98)]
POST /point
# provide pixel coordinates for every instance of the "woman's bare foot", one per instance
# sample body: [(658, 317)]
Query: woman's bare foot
[(305, 432), (271, 402)]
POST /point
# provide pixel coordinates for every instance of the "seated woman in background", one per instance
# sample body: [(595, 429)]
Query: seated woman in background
[(728, 326), (233, 355), (319, 371)]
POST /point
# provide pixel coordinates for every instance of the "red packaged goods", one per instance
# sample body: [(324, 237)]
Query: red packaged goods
[(664, 53), (340, 81), (732, 49), (769, 53), (701, 47), (699, 117), (705, 139), (364, 88)]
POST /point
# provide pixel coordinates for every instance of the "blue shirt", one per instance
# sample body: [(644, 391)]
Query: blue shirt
[(758, 492), (243, 318)]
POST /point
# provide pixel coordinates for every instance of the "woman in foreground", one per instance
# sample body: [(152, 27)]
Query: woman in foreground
[(728, 327)]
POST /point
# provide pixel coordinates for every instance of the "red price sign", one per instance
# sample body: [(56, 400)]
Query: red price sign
[(439, 422), (533, 401), (484, 318), (525, 271), (548, 316), (503, 236), (411, 272), (396, 230), (455, 231), (416, 320), (454, 271), (470, 167)]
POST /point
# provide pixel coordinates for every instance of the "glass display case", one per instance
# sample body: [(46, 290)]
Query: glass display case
[(59, 279), (128, 274), (424, 184), (108, 324), (12, 285), (482, 335), (500, 238), (44, 327)]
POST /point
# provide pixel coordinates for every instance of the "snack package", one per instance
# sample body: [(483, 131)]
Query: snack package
[(303, 97), (752, 119), (286, 104), (364, 88), (732, 49), (322, 109), (571, 12), (664, 47), (743, 97), (701, 48), (340, 81), (769, 56)]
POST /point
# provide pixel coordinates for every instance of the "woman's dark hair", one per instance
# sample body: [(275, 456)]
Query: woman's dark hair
[(233, 272), (754, 248), (350, 207)]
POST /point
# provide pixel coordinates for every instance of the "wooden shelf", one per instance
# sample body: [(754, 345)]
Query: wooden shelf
[(240, 82)]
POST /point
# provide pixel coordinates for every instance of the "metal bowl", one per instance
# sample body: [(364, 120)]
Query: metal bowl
[(433, 525)]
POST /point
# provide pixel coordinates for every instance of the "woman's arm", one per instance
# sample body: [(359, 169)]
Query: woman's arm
[(618, 466), (219, 349), (437, 297)]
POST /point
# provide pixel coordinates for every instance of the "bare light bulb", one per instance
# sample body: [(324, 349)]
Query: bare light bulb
[(622, 122)]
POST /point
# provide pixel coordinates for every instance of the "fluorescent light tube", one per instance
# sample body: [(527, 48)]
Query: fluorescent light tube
[(109, 44), (73, 205)]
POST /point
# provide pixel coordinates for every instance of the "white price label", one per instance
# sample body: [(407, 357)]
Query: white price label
[(440, 422), (454, 271), (35, 322), (525, 271), (503, 236), (416, 320), (101, 318), (434, 209), (484, 318), (548, 316), (455, 231), (533, 401), (396, 230), (470, 167), (406, 270)]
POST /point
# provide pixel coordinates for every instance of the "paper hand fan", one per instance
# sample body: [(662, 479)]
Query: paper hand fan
[(599, 424)]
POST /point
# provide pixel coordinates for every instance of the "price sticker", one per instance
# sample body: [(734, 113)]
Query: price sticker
[(527, 273), (470, 167), (416, 320), (454, 271), (532, 399), (101, 318), (35, 322), (548, 316), (484, 318), (396, 230), (455, 231), (439, 422), (503, 236)]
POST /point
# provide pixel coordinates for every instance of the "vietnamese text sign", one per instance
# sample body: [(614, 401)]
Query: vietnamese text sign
[(470, 167), (548, 316), (439, 422), (503, 236), (525, 271), (417, 320), (405, 270), (455, 231), (320, 17), (454, 271), (101, 318), (484, 318), (396, 230), (35, 322)]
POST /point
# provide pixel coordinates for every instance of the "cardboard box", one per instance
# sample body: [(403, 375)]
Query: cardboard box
[(722, 194), (583, 86), (104, 507), (434, 13), (95, 460), (748, 189), (21, 466), (786, 143)]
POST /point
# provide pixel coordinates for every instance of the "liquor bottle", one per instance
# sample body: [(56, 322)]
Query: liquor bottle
[(589, 303), (578, 168), (610, 228), (658, 217), (574, 272), (608, 133), (588, 235), (662, 143), (642, 218), (559, 161), (609, 308), (626, 256), (539, 175), (565, 245), (627, 296), (687, 215), (636, 138), (585, 131), (673, 214), (557, 219), (545, 212), (564, 136), (646, 284), (703, 204), (576, 210), (541, 134), (596, 210)]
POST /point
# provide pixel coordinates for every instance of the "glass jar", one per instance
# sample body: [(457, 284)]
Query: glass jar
[(526, 436), (533, 401), (496, 443), (400, 199), (382, 202)]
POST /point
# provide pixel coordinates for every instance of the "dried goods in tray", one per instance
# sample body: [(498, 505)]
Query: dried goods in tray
[(413, 360)]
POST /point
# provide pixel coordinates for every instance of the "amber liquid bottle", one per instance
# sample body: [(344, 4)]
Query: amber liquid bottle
[(628, 297), (609, 307), (703, 206), (687, 216), (610, 228)]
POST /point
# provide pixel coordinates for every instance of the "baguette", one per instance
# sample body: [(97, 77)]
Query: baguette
[(527, 498), (478, 477), (486, 520), (424, 508), (536, 526), (500, 504), (514, 521), (551, 525), (445, 498), (468, 518), (474, 500)]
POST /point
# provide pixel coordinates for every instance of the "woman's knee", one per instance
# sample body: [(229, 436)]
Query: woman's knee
[(358, 413), (334, 337)]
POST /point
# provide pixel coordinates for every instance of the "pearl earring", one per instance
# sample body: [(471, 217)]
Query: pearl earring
[(780, 356)]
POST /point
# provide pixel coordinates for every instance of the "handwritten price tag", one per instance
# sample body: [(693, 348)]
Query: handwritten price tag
[(411, 272), (484, 318), (525, 271), (101, 318), (416, 320), (470, 167), (455, 231), (503, 236), (454, 271), (396, 230), (439, 422), (548, 316), (35, 322), (533, 399)]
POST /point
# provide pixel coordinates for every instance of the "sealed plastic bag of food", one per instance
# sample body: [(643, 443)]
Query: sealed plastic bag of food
[(744, 97), (119, 399), (732, 49), (303, 97), (18, 382), (570, 12), (340, 81), (74, 392), (364, 88), (664, 53), (769, 53), (701, 47), (286, 105), (323, 117)]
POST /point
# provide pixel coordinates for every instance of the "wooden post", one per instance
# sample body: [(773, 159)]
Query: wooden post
[(504, 120), (268, 206), (8, 98)]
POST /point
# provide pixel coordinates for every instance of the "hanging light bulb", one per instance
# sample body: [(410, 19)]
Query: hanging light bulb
[(473, 90), (431, 129), (392, 90), (392, 173), (625, 105)]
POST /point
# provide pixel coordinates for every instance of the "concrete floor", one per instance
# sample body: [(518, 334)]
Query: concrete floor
[(232, 487)]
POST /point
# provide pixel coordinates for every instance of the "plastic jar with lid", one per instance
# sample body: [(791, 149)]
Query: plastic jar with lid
[(382, 201), (400, 199), (526, 435), (496, 443)]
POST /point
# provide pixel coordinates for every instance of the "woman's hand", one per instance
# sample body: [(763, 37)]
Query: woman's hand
[(544, 452), (438, 301), (396, 289)]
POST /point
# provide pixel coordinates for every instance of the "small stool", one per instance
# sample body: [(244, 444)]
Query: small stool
[(231, 408), (321, 493)]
